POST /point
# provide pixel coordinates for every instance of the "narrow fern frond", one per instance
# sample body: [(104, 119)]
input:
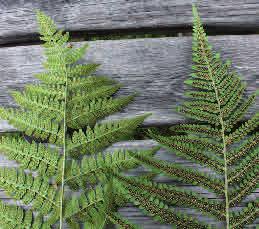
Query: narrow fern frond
[(102, 135), (174, 196), (200, 115), (46, 26), (79, 98), (201, 143), (240, 112), (86, 84), (96, 110), (199, 129), (180, 173), (183, 148), (202, 106), (249, 145), (75, 54), (158, 209), (76, 72), (201, 96), (52, 79)]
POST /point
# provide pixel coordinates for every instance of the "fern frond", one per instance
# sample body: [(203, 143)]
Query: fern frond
[(240, 112), (80, 207), (46, 26), (199, 129), (182, 146), (216, 141), (75, 54), (89, 83), (200, 115), (180, 173), (52, 119), (201, 143)]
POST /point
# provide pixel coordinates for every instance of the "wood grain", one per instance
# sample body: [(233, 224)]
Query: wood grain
[(156, 68), (131, 212), (18, 22)]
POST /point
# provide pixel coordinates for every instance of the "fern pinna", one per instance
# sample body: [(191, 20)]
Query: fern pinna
[(217, 141), (62, 142)]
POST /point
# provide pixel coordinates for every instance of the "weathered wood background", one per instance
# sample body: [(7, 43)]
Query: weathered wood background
[(155, 67)]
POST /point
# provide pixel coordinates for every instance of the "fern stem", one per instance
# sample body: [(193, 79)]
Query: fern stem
[(64, 156), (224, 151)]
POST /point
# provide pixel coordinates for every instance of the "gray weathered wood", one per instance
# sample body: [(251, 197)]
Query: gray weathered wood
[(131, 212), (18, 21), (156, 68)]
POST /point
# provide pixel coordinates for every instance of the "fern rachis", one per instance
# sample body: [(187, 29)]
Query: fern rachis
[(222, 123)]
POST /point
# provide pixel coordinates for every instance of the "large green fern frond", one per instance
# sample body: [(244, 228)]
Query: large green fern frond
[(218, 142), (58, 118)]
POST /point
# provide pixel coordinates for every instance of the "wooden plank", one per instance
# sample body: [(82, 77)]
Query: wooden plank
[(18, 21), (156, 68), (131, 212)]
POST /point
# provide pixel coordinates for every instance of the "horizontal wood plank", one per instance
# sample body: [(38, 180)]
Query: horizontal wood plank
[(156, 68), (18, 22), (134, 214)]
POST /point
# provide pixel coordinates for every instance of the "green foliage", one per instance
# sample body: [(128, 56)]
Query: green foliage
[(62, 140), (16, 217), (228, 150)]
